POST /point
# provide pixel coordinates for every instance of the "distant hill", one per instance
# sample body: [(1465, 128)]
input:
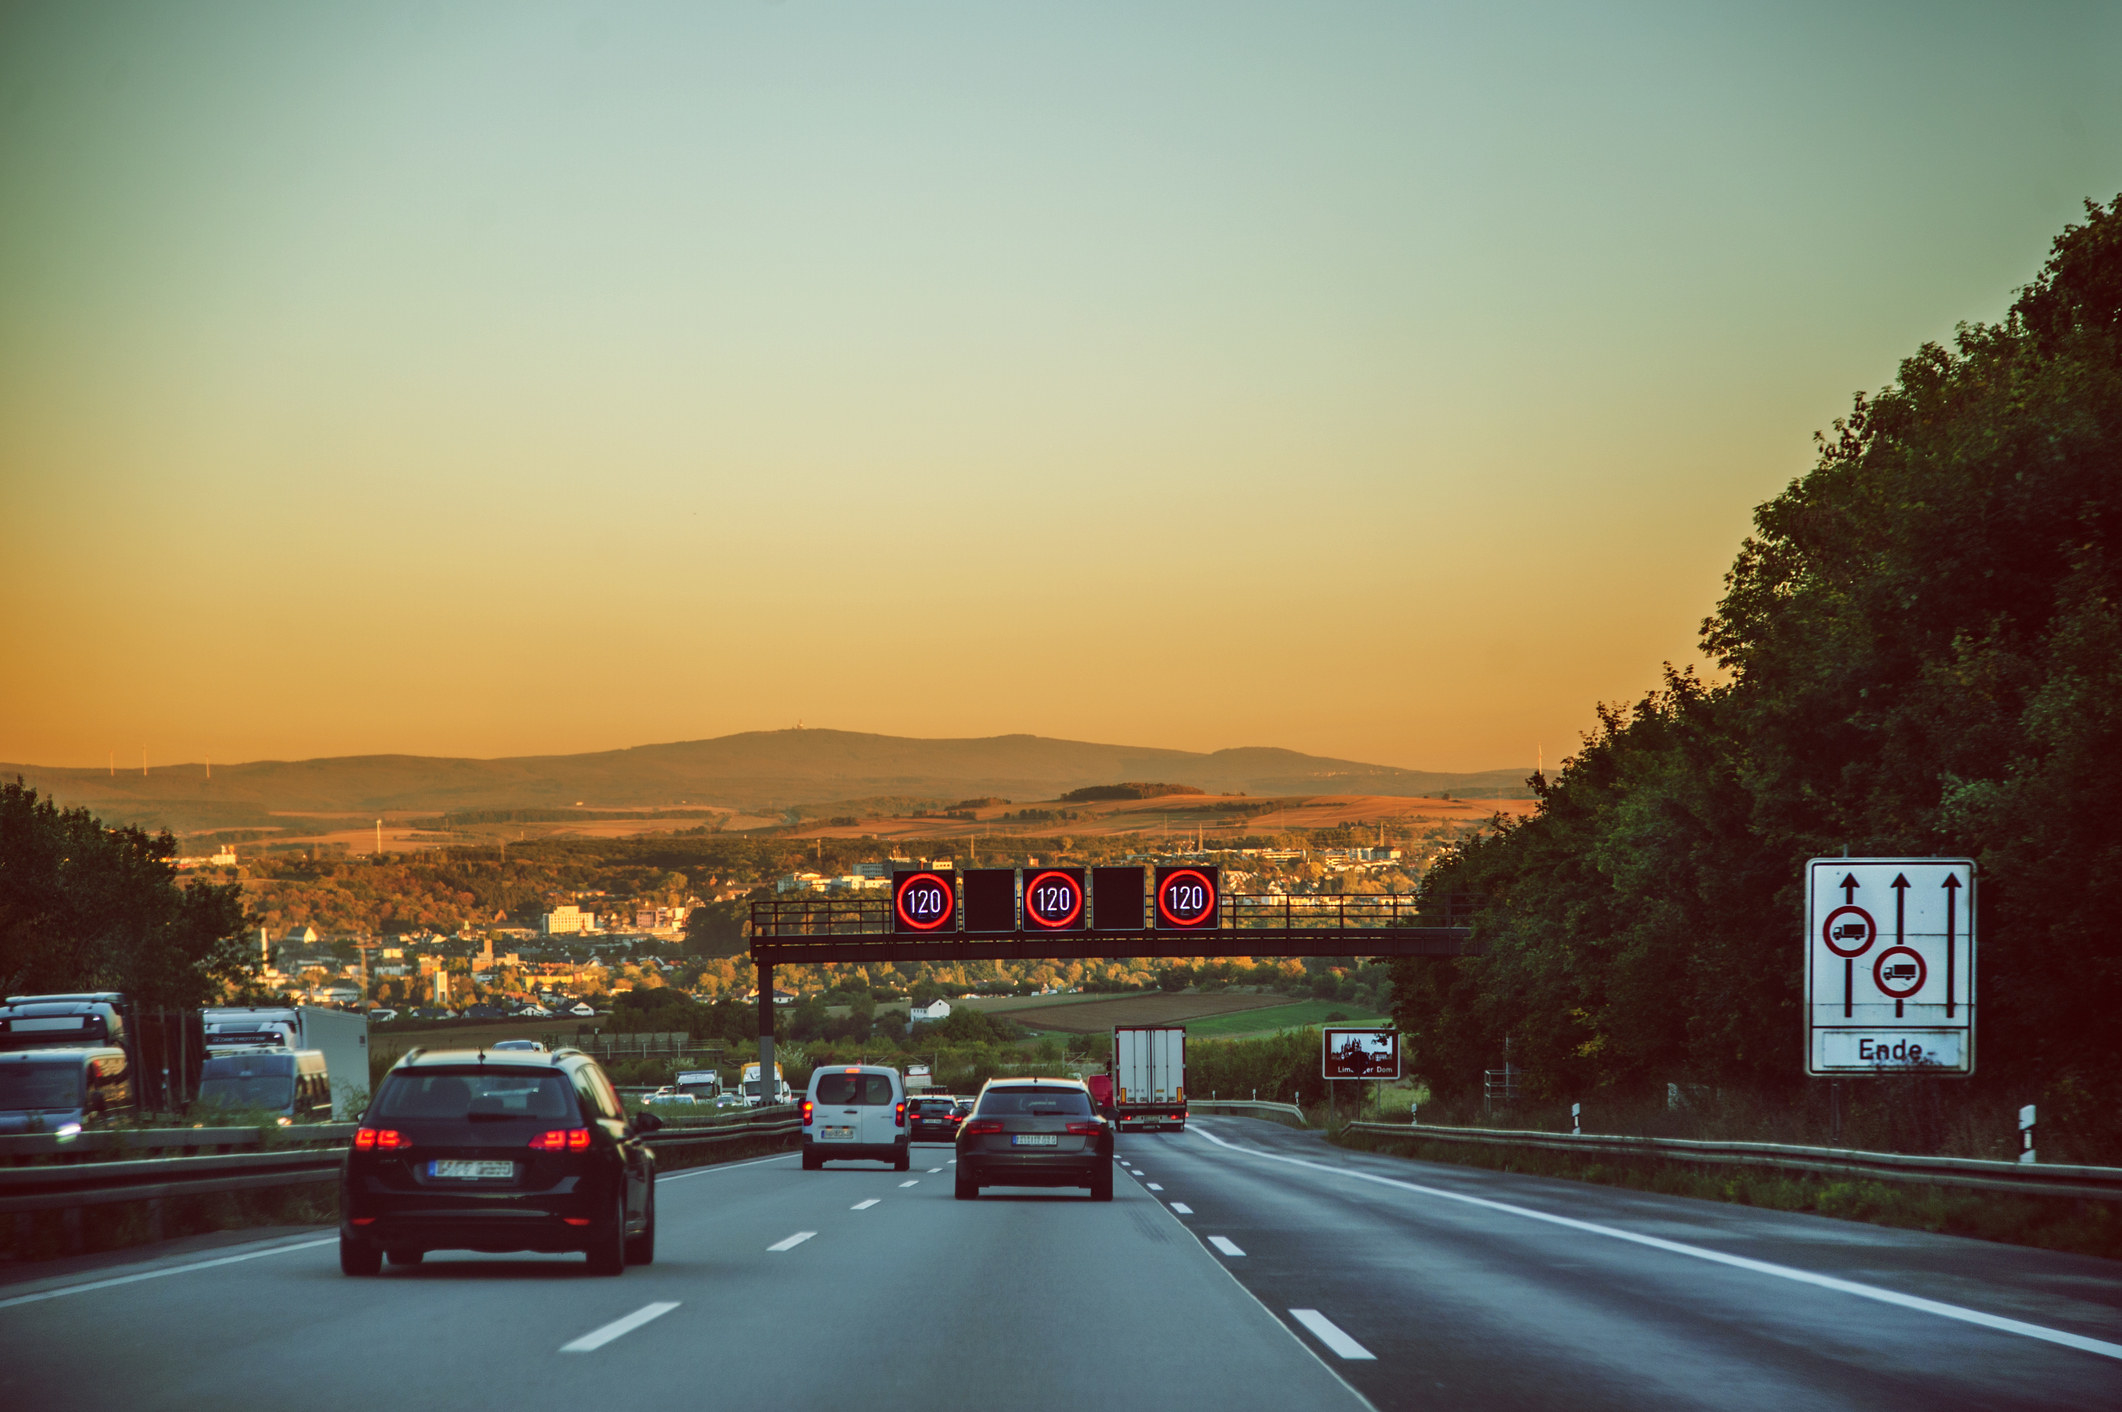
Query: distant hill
[(752, 771)]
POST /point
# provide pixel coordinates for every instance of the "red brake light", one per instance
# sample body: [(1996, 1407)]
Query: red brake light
[(806, 1112), (561, 1140), (899, 1114), (368, 1138), (977, 1126), (1086, 1129)]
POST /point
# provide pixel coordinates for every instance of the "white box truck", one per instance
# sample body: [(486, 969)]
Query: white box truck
[(1149, 1076), (750, 1087), (339, 1035)]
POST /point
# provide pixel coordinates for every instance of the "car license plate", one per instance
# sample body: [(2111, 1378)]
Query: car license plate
[(839, 1134), (471, 1171), (1035, 1140)]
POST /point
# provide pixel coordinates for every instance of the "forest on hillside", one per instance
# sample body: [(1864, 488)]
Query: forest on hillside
[(1921, 648)]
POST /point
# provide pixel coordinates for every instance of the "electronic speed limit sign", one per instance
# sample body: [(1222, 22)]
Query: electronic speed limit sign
[(1187, 898), (1053, 899), (924, 902)]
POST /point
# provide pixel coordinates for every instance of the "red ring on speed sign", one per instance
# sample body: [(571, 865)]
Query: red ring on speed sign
[(942, 915), (1208, 894), (1031, 890), (1878, 971), (1827, 931)]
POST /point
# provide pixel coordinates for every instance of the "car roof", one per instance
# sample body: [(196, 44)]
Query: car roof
[(522, 1058), (1059, 1080)]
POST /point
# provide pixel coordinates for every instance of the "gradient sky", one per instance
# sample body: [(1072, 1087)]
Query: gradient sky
[(1384, 381)]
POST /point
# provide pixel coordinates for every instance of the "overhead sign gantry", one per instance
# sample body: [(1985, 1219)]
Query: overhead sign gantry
[(1084, 914)]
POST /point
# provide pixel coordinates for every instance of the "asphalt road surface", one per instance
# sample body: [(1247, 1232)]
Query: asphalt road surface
[(1240, 1265)]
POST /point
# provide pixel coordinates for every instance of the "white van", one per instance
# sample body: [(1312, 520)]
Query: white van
[(856, 1112)]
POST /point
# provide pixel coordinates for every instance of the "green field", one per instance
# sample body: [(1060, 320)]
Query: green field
[(1280, 1017)]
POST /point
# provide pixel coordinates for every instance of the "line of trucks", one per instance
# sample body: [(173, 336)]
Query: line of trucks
[(72, 1060)]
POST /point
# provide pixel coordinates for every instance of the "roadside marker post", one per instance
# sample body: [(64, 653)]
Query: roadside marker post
[(2026, 1133)]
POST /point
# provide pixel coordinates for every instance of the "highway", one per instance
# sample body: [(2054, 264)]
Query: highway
[(1240, 1265)]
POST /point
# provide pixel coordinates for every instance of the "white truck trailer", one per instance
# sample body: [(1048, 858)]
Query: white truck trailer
[(1149, 1076), (340, 1035)]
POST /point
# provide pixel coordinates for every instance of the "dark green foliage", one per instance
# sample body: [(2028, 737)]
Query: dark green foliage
[(1133, 789), (1924, 641), (83, 907)]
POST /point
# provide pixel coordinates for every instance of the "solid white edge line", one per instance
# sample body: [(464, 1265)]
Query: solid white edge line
[(1330, 1334), (597, 1338), (792, 1242), (1225, 1244), (85, 1287), (1718, 1257), (864, 1205)]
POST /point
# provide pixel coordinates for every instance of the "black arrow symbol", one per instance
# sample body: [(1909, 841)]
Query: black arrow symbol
[(1900, 885), (1952, 910), (1849, 886)]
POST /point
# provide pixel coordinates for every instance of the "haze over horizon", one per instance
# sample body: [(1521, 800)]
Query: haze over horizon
[(1385, 384)]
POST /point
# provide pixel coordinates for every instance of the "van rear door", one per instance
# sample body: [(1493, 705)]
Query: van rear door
[(879, 1103)]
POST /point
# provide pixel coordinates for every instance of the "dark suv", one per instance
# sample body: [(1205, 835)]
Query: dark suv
[(498, 1150), (1035, 1132), (932, 1118)]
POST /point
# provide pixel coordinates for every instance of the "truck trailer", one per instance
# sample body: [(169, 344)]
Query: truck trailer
[(1149, 1077), (340, 1035)]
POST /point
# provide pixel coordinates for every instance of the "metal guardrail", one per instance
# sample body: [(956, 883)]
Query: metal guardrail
[(2025, 1179), (1242, 1107), (44, 1172)]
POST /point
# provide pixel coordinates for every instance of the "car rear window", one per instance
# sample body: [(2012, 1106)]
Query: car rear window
[(1036, 1102), (476, 1094), (861, 1090)]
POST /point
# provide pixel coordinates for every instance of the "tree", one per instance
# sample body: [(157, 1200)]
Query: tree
[(1924, 643), (84, 907)]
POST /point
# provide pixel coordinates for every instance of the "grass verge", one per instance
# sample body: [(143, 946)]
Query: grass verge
[(2064, 1223)]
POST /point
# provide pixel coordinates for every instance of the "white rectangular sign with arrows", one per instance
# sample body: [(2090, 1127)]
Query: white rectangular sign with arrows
[(1889, 965)]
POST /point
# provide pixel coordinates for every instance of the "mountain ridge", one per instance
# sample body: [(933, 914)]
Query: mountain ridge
[(748, 770)]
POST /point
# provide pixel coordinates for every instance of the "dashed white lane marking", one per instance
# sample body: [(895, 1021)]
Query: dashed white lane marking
[(597, 1338), (793, 1241), (1154, 1187), (1718, 1257), (915, 1182), (933, 1170), (1225, 1244), (1330, 1335), (1182, 1208), (863, 1205), (44, 1294)]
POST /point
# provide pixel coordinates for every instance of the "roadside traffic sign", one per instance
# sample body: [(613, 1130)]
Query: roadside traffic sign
[(1890, 965), (1359, 1054), (923, 902)]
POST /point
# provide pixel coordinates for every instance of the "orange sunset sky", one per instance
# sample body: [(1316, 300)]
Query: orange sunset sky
[(1384, 381)]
